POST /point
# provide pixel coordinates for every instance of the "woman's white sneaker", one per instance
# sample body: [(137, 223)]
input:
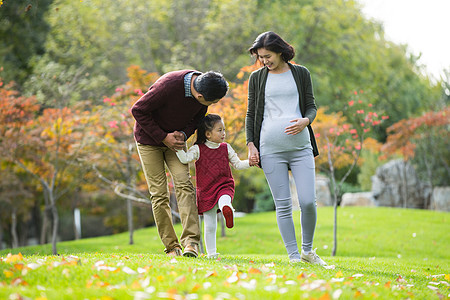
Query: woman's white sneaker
[(312, 258)]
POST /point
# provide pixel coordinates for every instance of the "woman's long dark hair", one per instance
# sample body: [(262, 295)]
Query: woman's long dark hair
[(273, 42), (207, 124)]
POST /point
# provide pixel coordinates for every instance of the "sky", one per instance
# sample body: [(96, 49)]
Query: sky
[(424, 25)]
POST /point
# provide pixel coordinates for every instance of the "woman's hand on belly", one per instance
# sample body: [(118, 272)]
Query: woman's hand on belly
[(297, 126)]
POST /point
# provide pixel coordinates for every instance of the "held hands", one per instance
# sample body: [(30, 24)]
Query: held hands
[(253, 155), (174, 141), (297, 127)]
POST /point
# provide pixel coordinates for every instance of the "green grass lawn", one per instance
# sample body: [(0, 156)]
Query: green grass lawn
[(382, 253)]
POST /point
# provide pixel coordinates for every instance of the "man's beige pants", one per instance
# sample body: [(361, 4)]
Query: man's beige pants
[(153, 160)]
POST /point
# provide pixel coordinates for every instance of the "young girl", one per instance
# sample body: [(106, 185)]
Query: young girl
[(215, 184)]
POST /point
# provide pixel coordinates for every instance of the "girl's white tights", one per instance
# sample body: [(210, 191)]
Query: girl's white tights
[(210, 219)]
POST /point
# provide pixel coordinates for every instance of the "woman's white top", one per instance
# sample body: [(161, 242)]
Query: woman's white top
[(281, 106), (193, 153)]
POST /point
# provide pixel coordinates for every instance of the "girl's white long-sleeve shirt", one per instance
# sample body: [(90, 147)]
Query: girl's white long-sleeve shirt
[(193, 153)]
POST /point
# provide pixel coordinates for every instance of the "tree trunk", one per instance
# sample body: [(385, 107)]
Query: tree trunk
[(130, 220), (45, 225), (55, 228), (23, 234), (15, 240), (77, 223), (335, 197), (1, 234), (335, 205)]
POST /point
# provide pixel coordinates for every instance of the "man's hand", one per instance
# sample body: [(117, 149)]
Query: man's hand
[(174, 141)]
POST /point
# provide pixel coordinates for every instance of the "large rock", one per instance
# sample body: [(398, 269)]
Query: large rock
[(396, 184), (323, 194), (440, 199), (358, 199)]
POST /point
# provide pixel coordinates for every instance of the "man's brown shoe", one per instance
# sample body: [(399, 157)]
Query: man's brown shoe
[(175, 252), (191, 251)]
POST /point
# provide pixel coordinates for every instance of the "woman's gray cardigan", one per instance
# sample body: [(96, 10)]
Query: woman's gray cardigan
[(255, 109)]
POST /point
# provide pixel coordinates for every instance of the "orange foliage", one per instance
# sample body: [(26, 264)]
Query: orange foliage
[(403, 134), (341, 136)]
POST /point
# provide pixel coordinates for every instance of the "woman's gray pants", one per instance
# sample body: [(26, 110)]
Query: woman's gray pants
[(301, 163)]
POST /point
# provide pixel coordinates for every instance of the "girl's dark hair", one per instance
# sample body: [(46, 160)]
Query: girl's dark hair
[(212, 85), (273, 42), (206, 124)]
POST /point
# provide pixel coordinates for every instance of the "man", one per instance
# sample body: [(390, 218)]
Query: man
[(166, 116)]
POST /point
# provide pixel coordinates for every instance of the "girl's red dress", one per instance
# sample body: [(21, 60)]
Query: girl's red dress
[(213, 176)]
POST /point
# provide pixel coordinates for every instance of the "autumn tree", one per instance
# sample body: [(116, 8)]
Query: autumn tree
[(425, 141), (46, 146), (16, 112), (113, 151), (340, 137)]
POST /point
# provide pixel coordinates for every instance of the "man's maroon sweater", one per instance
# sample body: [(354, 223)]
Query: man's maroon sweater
[(165, 109)]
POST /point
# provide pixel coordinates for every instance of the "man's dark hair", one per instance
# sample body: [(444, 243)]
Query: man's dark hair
[(273, 42), (211, 85)]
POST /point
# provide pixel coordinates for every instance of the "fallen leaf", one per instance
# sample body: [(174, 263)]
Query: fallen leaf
[(12, 258), (180, 279), (173, 261), (19, 281), (33, 266), (8, 274), (211, 273), (339, 274), (136, 285), (254, 271), (357, 294), (196, 287), (248, 285), (325, 297), (102, 284), (387, 284), (233, 278), (129, 271), (337, 293), (89, 284), (301, 275)]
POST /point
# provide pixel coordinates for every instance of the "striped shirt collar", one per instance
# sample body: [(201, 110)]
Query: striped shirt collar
[(187, 83)]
